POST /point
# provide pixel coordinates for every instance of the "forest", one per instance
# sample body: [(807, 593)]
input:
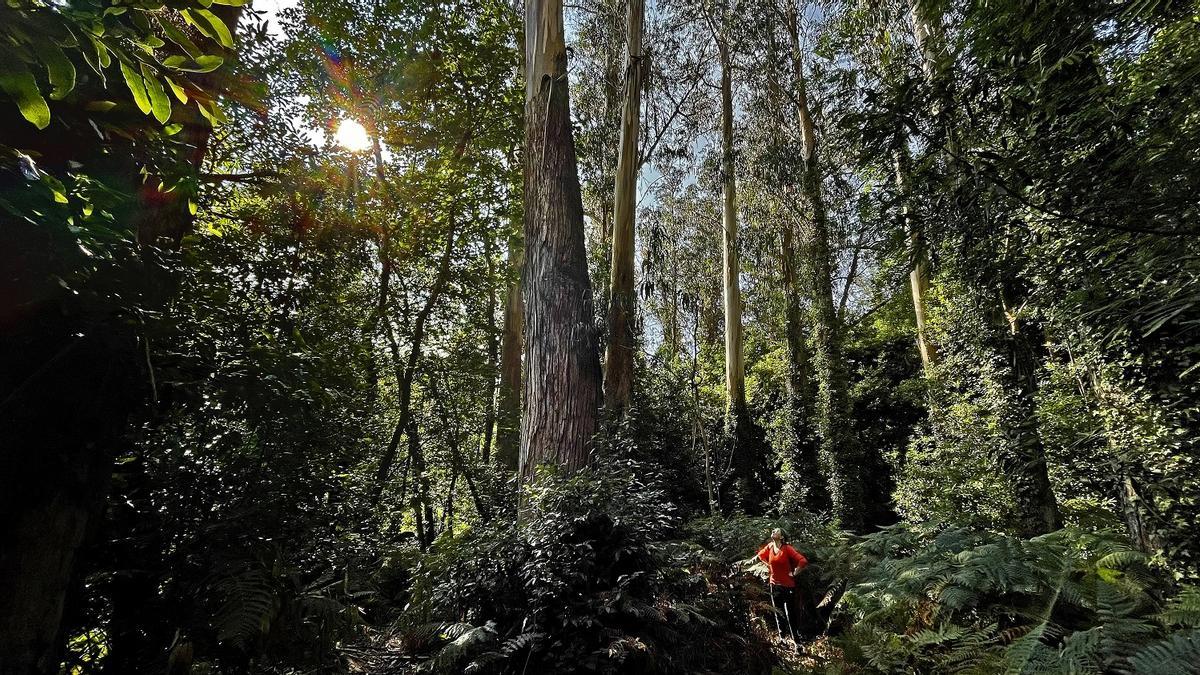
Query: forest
[(499, 337)]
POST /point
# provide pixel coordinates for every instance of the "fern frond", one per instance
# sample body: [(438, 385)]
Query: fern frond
[(1178, 654), (249, 605), (1184, 609)]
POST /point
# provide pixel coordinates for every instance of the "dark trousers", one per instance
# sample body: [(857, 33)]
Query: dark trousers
[(783, 599)]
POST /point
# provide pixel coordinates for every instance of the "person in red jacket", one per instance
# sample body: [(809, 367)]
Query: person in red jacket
[(784, 562)]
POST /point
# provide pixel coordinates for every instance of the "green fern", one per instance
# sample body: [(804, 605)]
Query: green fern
[(1178, 654), (250, 602), (1184, 609)]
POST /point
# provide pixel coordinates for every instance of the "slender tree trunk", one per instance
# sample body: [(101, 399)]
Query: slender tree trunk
[(422, 504), (562, 384), (918, 277), (743, 462), (508, 417), (490, 399), (833, 402), (622, 308), (735, 366), (407, 374)]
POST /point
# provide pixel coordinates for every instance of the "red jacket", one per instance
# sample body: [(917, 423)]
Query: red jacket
[(782, 563)]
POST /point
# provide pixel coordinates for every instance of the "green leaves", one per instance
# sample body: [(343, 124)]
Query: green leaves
[(200, 64), (54, 40), (18, 82), (180, 38), (59, 69), (160, 105), (210, 25), (137, 87)]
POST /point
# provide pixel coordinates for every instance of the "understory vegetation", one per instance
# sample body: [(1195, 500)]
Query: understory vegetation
[(472, 336)]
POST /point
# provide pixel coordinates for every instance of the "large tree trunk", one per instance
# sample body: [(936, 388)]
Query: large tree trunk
[(562, 384), (622, 309), (833, 402), (66, 401), (802, 477), (1024, 460)]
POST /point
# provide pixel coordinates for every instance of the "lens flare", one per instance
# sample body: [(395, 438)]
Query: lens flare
[(352, 136)]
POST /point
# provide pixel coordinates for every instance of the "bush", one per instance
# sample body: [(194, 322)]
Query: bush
[(594, 579)]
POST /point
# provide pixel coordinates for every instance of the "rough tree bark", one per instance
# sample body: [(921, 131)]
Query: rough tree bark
[(562, 383), (622, 308), (833, 403)]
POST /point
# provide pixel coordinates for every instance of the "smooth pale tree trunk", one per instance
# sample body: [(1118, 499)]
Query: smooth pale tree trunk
[(833, 402), (927, 36), (735, 365), (562, 366), (918, 276), (512, 342), (508, 409), (622, 309), (494, 337), (746, 493)]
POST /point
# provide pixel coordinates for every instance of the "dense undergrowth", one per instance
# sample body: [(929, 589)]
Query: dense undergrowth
[(604, 576)]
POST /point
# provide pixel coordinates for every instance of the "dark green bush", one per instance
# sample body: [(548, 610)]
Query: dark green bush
[(594, 579)]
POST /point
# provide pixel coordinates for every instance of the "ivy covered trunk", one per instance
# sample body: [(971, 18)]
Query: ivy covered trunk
[(622, 310), (562, 377), (1025, 460), (801, 475), (842, 452), (806, 478)]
